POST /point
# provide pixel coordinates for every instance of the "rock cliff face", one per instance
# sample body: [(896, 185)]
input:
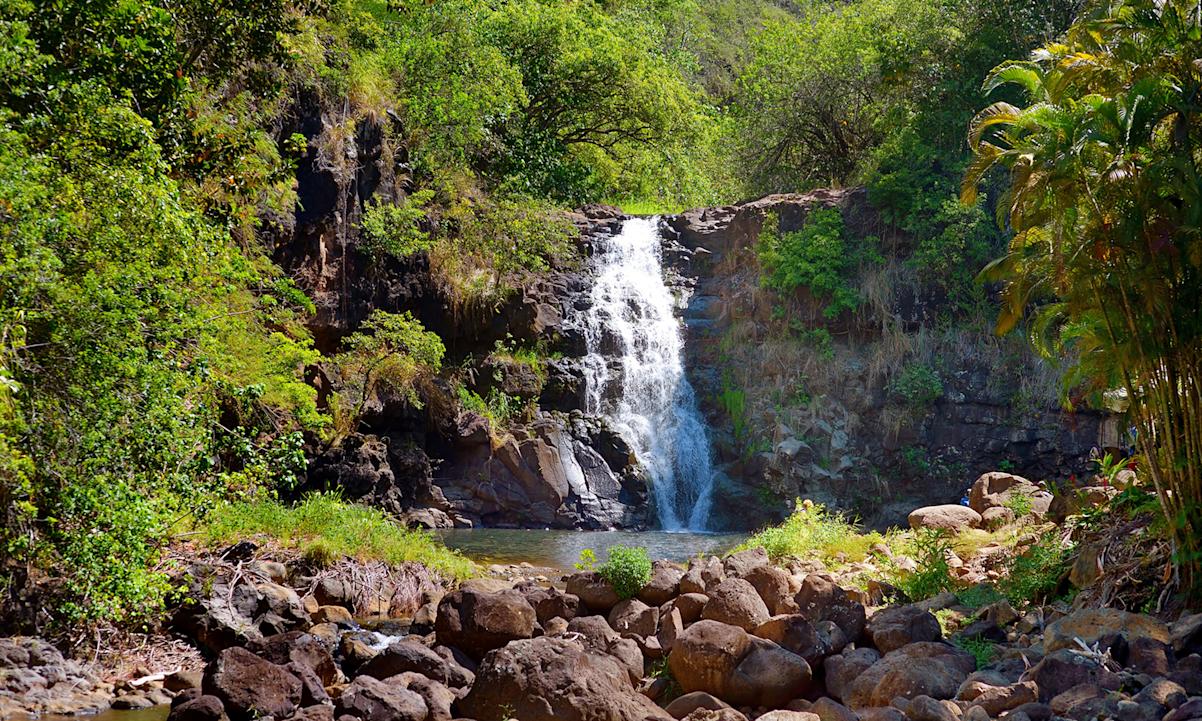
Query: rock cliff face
[(833, 431), (441, 465)]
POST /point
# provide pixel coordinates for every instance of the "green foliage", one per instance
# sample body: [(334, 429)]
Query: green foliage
[(1102, 198), (983, 651), (930, 547), (587, 560), (499, 408), (814, 532), (1019, 504), (627, 569), (396, 230), (918, 385), (326, 529), (734, 401), (978, 596), (819, 258), (390, 353), (1036, 575)]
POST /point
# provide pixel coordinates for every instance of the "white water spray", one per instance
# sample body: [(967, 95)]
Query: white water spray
[(647, 396)]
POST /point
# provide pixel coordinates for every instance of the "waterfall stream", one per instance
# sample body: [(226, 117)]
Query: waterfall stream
[(634, 374)]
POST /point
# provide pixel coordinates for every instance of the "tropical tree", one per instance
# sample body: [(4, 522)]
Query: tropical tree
[(1105, 203)]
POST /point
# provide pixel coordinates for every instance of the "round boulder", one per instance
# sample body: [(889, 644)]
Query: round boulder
[(554, 679), (477, 622), (898, 626), (736, 602), (250, 687), (948, 517), (919, 669)]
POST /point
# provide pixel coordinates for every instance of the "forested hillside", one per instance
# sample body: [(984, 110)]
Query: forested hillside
[(159, 353)]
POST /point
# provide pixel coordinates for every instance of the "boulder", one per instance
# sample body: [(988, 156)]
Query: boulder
[(250, 687), (828, 709), (1102, 625), (686, 704), (551, 602), (739, 564), (599, 638), (313, 691), (785, 715), (410, 655), (297, 647), (996, 700), (897, 626), (554, 679), (919, 669), (768, 675), (477, 622), (593, 591), (843, 669), (201, 708), (670, 628), (634, 616), (796, 633), (996, 517), (736, 602), (371, 699), (948, 517), (925, 708), (821, 599), (772, 584), (663, 585), (690, 606), (993, 489), (722, 660), (437, 696), (1061, 670)]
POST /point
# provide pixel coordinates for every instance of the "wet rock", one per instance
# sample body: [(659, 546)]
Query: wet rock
[(554, 679), (478, 622), (410, 655), (249, 686), (202, 708), (337, 615), (892, 628), (371, 699), (736, 602)]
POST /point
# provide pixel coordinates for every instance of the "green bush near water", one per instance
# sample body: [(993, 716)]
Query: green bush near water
[(814, 532), (627, 568), (324, 529)]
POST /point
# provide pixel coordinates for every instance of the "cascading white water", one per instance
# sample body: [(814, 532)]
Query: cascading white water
[(647, 397)]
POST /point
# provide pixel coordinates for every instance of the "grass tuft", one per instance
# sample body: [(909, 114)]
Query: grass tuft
[(324, 528), (814, 532)]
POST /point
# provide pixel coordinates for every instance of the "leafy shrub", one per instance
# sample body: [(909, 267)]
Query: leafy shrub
[(814, 532), (978, 596), (1019, 504), (1036, 574), (930, 548), (587, 560), (918, 385), (815, 257), (396, 230), (627, 568), (983, 651), (734, 401)]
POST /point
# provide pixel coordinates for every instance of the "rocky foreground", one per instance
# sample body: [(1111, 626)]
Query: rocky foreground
[(739, 638)]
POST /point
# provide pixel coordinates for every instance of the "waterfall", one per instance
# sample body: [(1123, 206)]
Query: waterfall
[(643, 390)]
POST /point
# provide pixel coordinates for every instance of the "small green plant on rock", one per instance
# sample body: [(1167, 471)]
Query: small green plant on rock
[(1019, 504), (918, 385), (1036, 574), (982, 651), (627, 569), (587, 561)]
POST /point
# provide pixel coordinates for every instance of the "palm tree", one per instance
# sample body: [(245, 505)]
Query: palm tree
[(1105, 203)]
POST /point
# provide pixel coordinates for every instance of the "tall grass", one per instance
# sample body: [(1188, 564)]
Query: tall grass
[(814, 532), (322, 526)]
